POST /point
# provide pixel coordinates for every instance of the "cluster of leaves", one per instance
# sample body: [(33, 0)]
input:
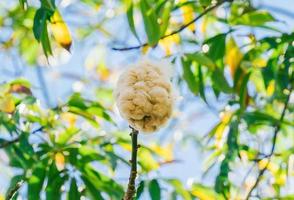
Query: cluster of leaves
[(260, 71), (57, 157)]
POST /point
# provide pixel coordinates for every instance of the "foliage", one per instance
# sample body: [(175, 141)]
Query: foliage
[(58, 158)]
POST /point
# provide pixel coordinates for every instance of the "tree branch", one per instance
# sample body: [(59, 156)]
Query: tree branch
[(14, 190), (10, 142), (129, 195), (178, 30), (277, 129)]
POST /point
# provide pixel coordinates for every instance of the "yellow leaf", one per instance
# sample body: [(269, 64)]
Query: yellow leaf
[(146, 160), (204, 24), (168, 42), (259, 62), (1, 197), (270, 88), (103, 72), (280, 179), (59, 161), (60, 31), (126, 146), (166, 152), (7, 104), (219, 132), (188, 15), (273, 168), (233, 56), (145, 49), (69, 118), (205, 193), (220, 128)]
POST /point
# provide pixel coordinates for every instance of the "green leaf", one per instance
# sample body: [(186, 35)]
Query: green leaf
[(150, 22), (220, 82), (130, 13), (101, 182), (201, 84), (216, 46), (205, 2), (140, 190), (222, 183), (201, 59), (24, 144), (66, 135), (243, 91), (23, 3), (154, 190), (188, 75), (56, 180), (261, 118), (254, 18), (14, 180), (40, 29), (165, 17), (48, 4), (93, 192), (87, 109), (35, 182), (73, 193)]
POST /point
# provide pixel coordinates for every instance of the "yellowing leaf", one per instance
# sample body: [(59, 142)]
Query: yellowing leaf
[(146, 160), (259, 62), (204, 24), (59, 161), (273, 168), (233, 56), (188, 15), (103, 72), (19, 88), (145, 49), (226, 116), (280, 178), (219, 132), (126, 146), (60, 31), (270, 88), (166, 152), (7, 104), (168, 42), (69, 118), (205, 193)]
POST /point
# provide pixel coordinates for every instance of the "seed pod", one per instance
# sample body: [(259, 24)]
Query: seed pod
[(144, 95)]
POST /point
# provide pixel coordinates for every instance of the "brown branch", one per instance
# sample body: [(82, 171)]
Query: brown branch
[(130, 193), (178, 30), (277, 129), (14, 190)]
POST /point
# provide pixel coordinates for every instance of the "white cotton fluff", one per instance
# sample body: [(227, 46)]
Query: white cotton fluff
[(144, 94)]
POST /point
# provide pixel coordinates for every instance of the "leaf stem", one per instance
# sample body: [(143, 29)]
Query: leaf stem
[(131, 190)]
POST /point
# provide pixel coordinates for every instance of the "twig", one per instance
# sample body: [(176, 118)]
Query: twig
[(178, 30), (277, 129), (14, 190), (129, 195)]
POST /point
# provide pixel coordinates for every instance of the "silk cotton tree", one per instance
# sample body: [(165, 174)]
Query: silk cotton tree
[(61, 136)]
